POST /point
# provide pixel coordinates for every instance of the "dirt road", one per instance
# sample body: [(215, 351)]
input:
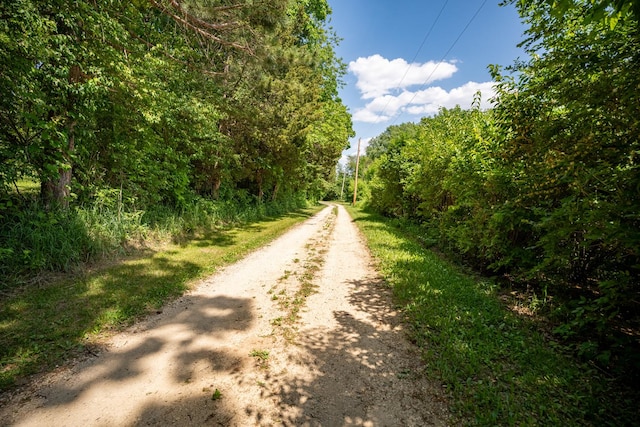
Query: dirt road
[(245, 348)]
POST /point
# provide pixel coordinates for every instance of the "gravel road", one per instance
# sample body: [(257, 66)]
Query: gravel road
[(248, 347)]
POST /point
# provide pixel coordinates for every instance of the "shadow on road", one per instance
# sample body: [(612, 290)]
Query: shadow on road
[(146, 375), (361, 371)]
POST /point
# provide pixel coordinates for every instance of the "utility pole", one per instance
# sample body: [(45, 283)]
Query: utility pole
[(355, 185)]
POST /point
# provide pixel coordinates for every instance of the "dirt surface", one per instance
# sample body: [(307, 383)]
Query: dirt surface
[(246, 348)]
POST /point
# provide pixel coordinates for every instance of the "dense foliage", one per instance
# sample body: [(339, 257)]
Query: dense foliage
[(544, 188), (497, 366), (161, 103)]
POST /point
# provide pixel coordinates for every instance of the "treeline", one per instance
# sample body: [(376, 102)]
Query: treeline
[(143, 105), (545, 188)]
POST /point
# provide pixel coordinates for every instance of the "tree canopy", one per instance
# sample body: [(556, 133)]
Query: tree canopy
[(169, 100)]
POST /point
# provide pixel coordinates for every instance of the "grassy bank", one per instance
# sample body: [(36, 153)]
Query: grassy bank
[(42, 325), (498, 366), (35, 239)]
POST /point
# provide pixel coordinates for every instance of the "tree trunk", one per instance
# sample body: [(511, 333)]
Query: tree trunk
[(259, 181), (216, 187), (56, 191)]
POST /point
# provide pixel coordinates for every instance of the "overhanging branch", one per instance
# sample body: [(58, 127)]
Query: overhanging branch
[(199, 26)]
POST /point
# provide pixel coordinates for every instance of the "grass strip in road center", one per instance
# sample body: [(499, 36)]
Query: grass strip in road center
[(497, 366), (41, 326), (302, 281)]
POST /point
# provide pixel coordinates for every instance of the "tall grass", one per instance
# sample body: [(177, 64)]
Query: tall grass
[(35, 240)]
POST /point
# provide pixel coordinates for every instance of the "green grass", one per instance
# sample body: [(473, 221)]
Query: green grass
[(498, 367), (28, 186), (35, 239), (262, 355), (41, 326)]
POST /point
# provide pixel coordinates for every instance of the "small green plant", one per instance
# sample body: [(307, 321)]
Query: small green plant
[(262, 355), (405, 374), (217, 395), (286, 275), (277, 321)]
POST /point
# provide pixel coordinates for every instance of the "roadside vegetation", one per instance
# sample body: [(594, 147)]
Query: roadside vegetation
[(499, 364), (38, 242)]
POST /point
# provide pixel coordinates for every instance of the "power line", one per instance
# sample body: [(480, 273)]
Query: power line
[(426, 37), (443, 56), (424, 40)]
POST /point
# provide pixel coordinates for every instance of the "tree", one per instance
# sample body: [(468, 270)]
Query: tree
[(607, 11), (167, 99)]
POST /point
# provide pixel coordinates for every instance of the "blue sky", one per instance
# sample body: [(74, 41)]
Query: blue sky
[(407, 58)]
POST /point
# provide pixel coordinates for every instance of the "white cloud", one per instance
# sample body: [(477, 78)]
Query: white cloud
[(378, 76), (390, 104), (368, 116), (428, 101), (387, 84), (424, 102)]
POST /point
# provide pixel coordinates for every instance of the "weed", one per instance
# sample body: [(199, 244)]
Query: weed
[(289, 334), (286, 275), (276, 322), (262, 355), (217, 395), (404, 374)]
